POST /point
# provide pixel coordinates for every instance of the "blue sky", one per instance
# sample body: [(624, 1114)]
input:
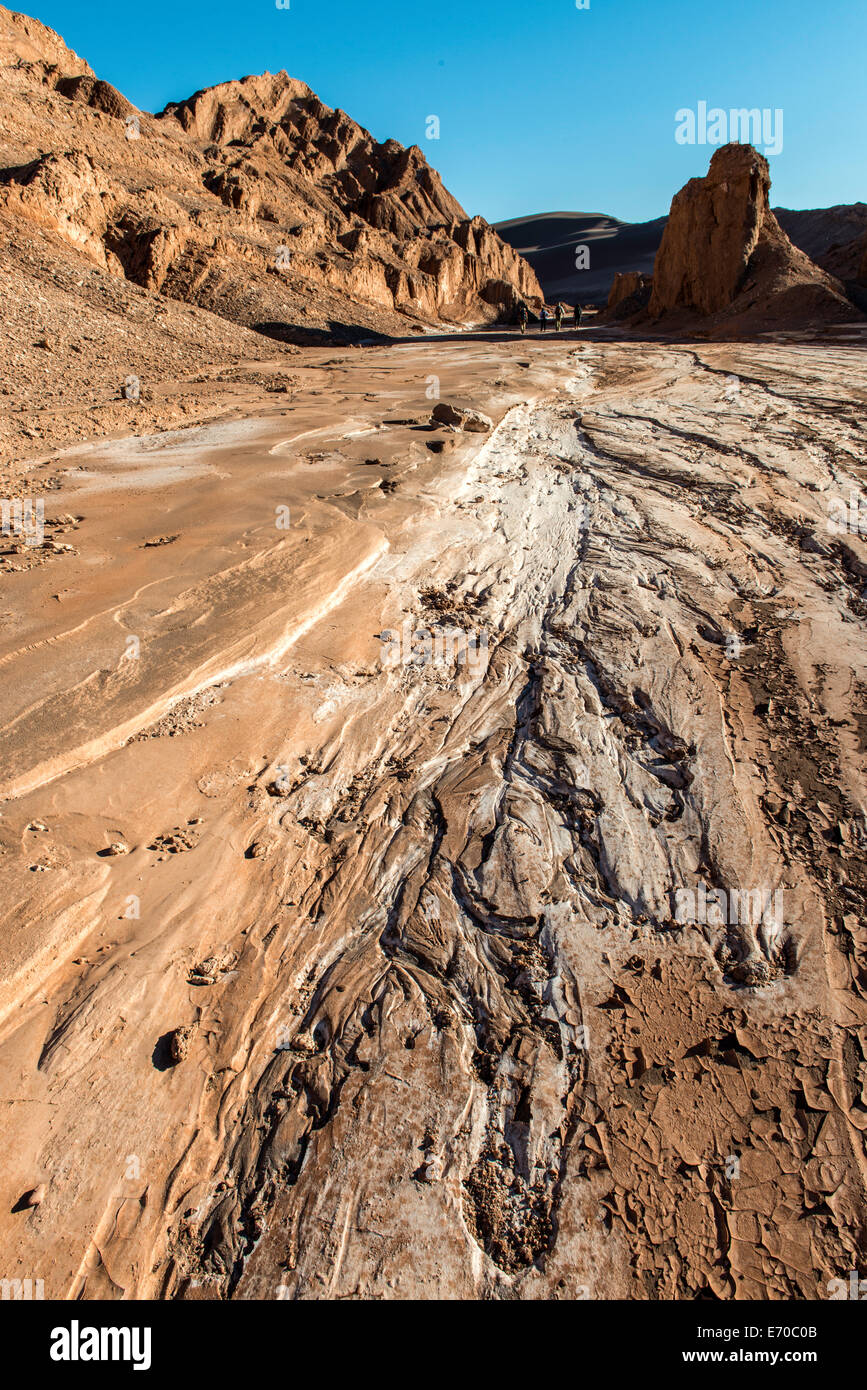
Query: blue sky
[(542, 106)]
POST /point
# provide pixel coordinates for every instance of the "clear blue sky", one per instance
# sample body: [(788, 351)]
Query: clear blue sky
[(542, 106)]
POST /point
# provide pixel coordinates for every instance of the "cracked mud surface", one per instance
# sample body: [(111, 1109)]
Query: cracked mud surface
[(455, 1037)]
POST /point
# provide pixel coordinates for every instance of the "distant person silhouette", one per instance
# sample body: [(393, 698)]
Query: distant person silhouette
[(577, 315), (543, 319), (522, 319), (558, 317)]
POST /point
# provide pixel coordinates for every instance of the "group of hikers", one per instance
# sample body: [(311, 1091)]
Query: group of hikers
[(545, 317)]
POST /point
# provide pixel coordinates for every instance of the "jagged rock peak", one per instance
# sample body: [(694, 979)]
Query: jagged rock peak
[(723, 252), (240, 109), (712, 231)]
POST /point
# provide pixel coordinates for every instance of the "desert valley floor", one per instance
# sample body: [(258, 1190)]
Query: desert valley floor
[(329, 977)]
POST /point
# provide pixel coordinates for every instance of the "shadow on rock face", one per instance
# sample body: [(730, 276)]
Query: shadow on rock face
[(335, 335)]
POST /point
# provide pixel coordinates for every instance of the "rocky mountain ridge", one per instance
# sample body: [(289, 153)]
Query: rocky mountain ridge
[(251, 199)]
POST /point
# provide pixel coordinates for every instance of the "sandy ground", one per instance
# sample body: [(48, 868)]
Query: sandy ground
[(442, 1032)]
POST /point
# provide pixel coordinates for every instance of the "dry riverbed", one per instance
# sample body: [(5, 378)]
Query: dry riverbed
[(434, 862)]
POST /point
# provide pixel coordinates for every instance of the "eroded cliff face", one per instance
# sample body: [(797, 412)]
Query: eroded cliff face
[(723, 253), (630, 292), (713, 229), (251, 199)]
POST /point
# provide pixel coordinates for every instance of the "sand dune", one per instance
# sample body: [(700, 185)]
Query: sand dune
[(549, 242)]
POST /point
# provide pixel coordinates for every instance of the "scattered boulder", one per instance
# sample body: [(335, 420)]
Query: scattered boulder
[(177, 841), (753, 972), (280, 787), (472, 421), (430, 1172), (630, 293), (209, 970), (179, 1042), (625, 283), (33, 1198)]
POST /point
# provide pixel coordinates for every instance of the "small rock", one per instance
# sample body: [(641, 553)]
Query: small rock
[(115, 848), (34, 1197), (431, 1171), (470, 420), (179, 1042), (278, 788), (209, 970), (753, 972)]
